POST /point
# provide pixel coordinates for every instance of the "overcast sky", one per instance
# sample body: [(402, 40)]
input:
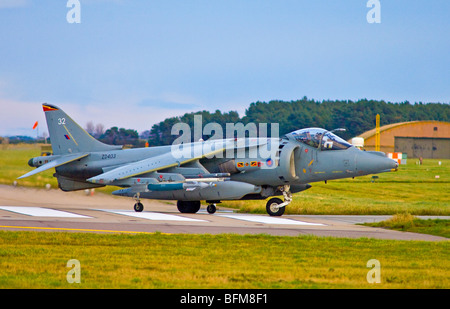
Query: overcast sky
[(133, 63)]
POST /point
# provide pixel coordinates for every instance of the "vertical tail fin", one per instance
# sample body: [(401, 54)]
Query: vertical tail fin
[(67, 136)]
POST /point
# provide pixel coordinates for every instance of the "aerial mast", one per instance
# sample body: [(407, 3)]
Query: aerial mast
[(377, 133)]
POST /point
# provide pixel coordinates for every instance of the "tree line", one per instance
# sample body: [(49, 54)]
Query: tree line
[(356, 117)]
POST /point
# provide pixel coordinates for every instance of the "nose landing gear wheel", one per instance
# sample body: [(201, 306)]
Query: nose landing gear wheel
[(272, 207), (211, 208)]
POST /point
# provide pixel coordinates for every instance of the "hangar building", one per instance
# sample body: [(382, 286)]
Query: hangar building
[(426, 139)]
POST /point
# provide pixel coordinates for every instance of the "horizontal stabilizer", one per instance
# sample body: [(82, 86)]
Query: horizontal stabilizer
[(55, 163)]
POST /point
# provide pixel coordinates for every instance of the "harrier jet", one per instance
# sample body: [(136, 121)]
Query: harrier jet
[(213, 171)]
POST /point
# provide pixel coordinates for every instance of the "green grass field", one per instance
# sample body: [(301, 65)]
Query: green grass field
[(14, 163), (39, 259)]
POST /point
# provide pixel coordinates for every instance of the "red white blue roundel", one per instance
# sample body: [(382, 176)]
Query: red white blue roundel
[(269, 162)]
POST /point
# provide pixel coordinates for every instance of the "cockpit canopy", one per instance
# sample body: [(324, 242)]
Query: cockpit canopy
[(316, 136)]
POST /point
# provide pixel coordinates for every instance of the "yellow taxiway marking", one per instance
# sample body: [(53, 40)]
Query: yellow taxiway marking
[(78, 230)]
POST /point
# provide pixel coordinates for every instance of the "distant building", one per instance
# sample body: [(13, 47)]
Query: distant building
[(426, 139)]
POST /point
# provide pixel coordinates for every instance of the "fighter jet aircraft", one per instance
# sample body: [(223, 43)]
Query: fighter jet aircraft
[(190, 176)]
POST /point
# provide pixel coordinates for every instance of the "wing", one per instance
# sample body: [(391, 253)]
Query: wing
[(136, 168), (55, 163), (156, 163)]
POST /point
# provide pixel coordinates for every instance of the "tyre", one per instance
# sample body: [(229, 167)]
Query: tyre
[(272, 207), (138, 207), (188, 207), (211, 208)]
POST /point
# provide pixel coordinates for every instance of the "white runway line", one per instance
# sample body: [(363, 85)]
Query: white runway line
[(41, 212), (269, 220), (152, 215)]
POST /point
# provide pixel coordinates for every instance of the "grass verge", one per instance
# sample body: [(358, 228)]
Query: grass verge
[(409, 223), (39, 260)]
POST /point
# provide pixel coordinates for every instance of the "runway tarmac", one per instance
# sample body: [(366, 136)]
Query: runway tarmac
[(53, 210)]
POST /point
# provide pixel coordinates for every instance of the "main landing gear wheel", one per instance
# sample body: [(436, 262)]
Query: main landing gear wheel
[(211, 208), (188, 207), (138, 207), (272, 207)]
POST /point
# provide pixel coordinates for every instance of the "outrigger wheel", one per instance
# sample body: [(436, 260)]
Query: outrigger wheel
[(138, 207), (272, 207), (211, 208)]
